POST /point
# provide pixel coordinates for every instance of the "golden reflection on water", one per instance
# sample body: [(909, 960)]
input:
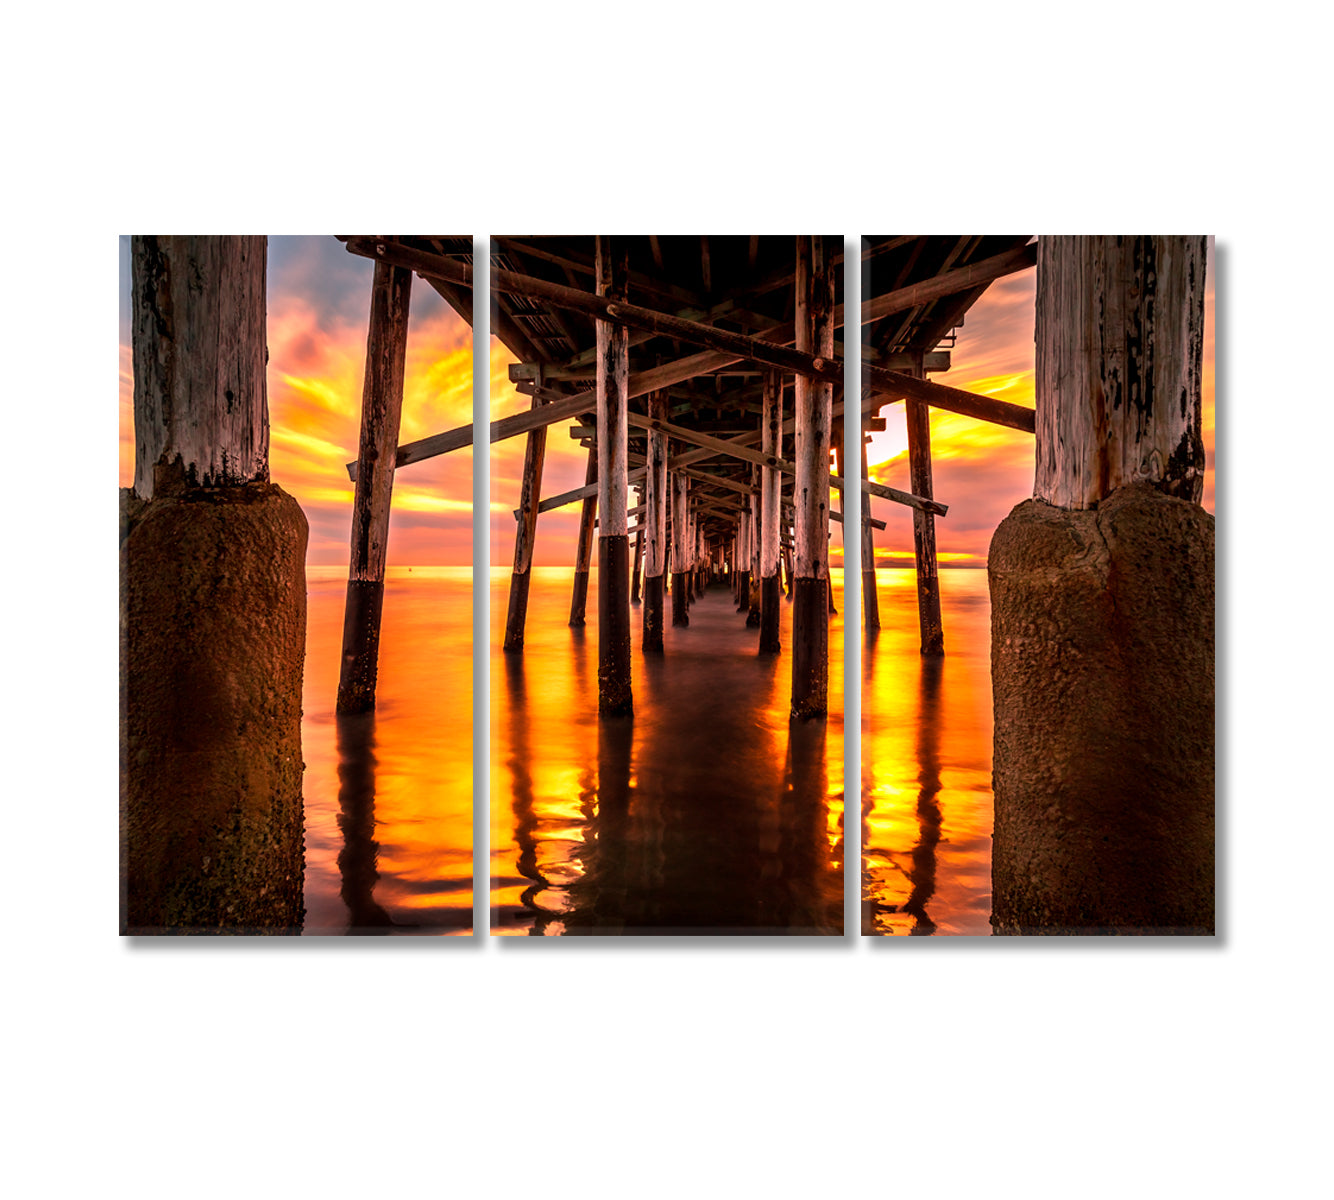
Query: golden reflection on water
[(704, 813), (926, 763), (388, 795)]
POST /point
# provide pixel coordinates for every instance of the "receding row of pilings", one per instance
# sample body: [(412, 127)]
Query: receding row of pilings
[(757, 546), (816, 373), (213, 608)]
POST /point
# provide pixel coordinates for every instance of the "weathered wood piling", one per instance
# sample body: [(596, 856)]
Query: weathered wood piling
[(918, 414), (870, 598), (680, 524), (1102, 594), (525, 537), (637, 569), (615, 697), (655, 500), (213, 608), (381, 410), (814, 400), (771, 498), (583, 555)]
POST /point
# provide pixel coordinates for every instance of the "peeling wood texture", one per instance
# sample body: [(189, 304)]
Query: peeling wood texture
[(612, 379), (655, 490), (771, 499), (814, 418), (1120, 349), (680, 507), (655, 501), (201, 413), (615, 697), (381, 412), (924, 531), (813, 415)]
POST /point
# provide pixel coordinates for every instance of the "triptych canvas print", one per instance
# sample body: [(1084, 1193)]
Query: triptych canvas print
[(720, 467)]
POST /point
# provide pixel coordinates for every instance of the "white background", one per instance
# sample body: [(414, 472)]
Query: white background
[(934, 1067)]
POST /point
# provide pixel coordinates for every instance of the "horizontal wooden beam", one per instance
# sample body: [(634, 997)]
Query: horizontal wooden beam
[(949, 283), (875, 523), (709, 478), (731, 448), (690, 457), (891, 385)]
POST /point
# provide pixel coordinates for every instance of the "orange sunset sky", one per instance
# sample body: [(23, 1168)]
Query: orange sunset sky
[(318, 303)]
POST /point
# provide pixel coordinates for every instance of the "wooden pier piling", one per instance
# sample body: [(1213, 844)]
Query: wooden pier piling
[(814, 402), (771, 504), (918, 417), (870, 598), (755, 524), (655, 500), (745, 521), (583, 555), (525, 535), (615, 696), (381, 409), (212, 608), (680, 522), (637, 569), (1102, 607)]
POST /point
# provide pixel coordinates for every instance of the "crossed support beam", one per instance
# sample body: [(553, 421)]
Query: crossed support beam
[(770, 349)]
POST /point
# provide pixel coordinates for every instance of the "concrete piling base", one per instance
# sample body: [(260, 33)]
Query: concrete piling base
[(213, 629), (1102, 654)]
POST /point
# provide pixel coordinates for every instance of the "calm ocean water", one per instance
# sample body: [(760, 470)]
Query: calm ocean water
[(704, 813), (926, 763), (388, 795)]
